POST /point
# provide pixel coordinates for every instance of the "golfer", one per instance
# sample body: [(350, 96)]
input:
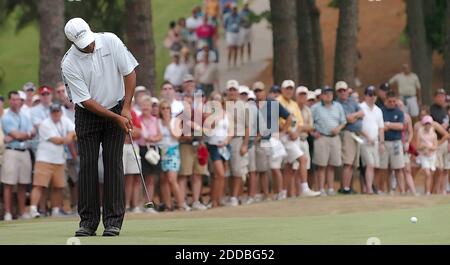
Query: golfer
[(98, 72)]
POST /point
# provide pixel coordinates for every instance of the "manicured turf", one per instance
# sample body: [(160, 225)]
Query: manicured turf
[(390, 226), (19, 56)]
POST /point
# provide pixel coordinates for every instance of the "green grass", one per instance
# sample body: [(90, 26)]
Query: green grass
[(391, 227), (19, 53)]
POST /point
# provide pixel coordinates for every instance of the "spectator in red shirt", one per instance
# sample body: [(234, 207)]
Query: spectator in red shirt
[(206, 32), (131, 169)]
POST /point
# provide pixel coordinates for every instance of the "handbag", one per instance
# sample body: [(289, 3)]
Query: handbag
[(152, 156)]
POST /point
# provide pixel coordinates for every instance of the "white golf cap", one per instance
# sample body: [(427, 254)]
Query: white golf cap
[(311, 96), (341, 85), (36, 98), (301, 89), (232, 84), (258, 86), (288, 83), (22, 95), (188, 78), (244, 89), (79, 32), (155, 100), (140, 89), (251, 95), (318, 92)]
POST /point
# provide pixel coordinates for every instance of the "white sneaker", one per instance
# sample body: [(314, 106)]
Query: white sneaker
[(186, 208), (25, 216), (309, 193), (34, 213), (250, 200), (280, 196), (56, 212), (233, 202), (323, 193), (136, 210), (7, 217), (331, 193), (259, 197), (151, 210), (198, 206), (224, 201)]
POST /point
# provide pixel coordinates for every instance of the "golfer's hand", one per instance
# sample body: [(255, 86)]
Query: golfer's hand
[(126, 113), (124, 123)]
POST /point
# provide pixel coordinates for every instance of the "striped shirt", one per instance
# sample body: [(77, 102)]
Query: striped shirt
[(328, 118)]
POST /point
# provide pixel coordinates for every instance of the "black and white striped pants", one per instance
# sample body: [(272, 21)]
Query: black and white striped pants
[(93, 130)]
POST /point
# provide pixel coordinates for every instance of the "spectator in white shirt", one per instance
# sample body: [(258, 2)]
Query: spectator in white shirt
[(168, 94), (175, 71), (54, 133)]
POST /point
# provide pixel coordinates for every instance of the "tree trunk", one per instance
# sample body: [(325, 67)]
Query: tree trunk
[(421, 55), (317, 44), (447, 52), (346, 58), (307, 60), (140, 40), (285, 40), (52, 40)]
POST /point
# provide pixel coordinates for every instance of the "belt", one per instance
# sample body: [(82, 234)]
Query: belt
[(16, 149), (326, 135)]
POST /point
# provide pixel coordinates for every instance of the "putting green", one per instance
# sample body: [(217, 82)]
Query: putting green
[(340, 226)]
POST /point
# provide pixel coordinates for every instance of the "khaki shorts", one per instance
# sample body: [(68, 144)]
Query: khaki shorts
[(393, 156), (350, 149), (370, 155), (328, 151), (304, 146), (262, 154), (252, 158), (130, 167), (16, 167), (441, 153), (447, 160), (238, 163), (292, 149), (46, 173), (189, 162)]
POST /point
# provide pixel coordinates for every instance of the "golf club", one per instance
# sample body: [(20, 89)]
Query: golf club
[(149, 203)]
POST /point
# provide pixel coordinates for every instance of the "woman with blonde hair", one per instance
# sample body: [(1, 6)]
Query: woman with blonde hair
[(218, 137), (170, 157), (150, 136)]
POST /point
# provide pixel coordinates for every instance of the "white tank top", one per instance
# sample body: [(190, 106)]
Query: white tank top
[(220, 133)]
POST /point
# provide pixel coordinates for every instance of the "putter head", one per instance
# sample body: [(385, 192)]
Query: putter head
[(149, 205)]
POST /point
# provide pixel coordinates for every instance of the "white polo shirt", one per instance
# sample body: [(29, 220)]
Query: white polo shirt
[(175, 73), (47, 151), (407, 84), (372, 121), (98, 75)]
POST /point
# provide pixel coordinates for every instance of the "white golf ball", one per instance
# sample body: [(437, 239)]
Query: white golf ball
[(413, 220)]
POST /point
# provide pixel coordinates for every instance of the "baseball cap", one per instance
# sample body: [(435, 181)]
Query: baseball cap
[(251, 95), (244, 89), (311, 96), (440, 91), (427, 120), (318, 92), (36, 98), (275, 89), (341, 85), (155, 100), (232, 84), (370, 91), (22, 95), (258, 86), (188, 78), (327, 89), (385, 87), (79, 32), (140, 89), (45, 89), (29, 86), (301, 90), (288, 83), (55, 107)]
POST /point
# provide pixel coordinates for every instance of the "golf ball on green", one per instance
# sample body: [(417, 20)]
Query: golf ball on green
[(413, 220)]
